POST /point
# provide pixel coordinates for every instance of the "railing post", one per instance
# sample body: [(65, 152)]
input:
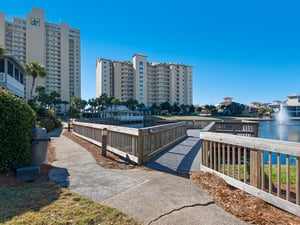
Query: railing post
[(140, 148), (256, 127), (104, 141), (255, 168), (69, 125), (298, 180)]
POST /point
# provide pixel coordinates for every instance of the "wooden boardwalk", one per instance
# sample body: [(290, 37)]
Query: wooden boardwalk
[(181, 158)]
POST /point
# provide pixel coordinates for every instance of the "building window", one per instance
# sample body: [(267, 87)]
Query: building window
[(10, 68), (16, 74), (141, 72), (2, 66), (141, 63), (21, 78)]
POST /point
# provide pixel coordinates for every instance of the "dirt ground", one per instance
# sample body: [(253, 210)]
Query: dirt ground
[(244, 206)]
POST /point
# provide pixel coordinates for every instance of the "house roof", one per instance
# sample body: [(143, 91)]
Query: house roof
[(294, 95)]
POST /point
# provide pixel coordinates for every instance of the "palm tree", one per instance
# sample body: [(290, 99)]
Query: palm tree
[(35, 70), (115, 101)]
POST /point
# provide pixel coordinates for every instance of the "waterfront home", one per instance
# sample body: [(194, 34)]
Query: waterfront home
[(122, 114), (12, 75), (293, 105)]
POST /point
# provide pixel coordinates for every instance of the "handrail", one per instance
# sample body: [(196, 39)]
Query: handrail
[(247, 162), (138, 145), (283, 147)]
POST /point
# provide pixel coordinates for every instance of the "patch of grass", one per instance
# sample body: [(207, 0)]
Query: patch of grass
[(200, 118), (266, 171), (283, 173), (47, 203)]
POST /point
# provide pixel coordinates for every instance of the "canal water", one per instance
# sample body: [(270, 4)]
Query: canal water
[(283, 132)]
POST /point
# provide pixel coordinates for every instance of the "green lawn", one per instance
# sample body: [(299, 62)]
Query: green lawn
[(200, 118), (266, 170), (283, 174), (47, 203)]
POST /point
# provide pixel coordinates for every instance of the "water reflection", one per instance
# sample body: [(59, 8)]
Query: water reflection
[(283, 132)]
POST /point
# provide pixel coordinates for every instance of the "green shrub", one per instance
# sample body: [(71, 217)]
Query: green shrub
[(16, 122), (57, 122), (52, 113), (48, 124), (42, 112)]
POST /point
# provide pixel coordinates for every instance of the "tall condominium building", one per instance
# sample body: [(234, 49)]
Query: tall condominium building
[(147, 82), (57, 46)]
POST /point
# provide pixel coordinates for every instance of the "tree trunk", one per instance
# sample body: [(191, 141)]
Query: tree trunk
[(33, 82)]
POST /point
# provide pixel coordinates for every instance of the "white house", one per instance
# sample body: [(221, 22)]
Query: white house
[(12, 76)]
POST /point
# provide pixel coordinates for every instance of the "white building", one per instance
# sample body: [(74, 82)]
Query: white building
[(57, 46), (122, 114), (12, 76), (148, 82), (293, 105)]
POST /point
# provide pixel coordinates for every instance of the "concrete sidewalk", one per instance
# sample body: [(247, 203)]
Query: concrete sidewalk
[(149, 196)]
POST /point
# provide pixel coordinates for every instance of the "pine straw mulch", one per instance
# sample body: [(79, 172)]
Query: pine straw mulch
[(111, 161), (244, 206)]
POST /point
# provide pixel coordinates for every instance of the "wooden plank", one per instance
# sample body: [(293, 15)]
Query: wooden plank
[(210, 154), (140, 149), (287, 178), (215, 156), (245, 165), (262, 170), (228, 160), (278, 175), (272, 199), (219, 156), (206, 153), (127, 130), (239, 163), (254, 168), (233, 161), (223, 157), (298, 180), (202, 152), (270, 172), (164, 127), (116, 151)]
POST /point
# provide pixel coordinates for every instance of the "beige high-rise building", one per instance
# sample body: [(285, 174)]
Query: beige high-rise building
[(148, 82), (56, 46)]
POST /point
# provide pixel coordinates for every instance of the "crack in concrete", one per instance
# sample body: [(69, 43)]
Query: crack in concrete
[(178, 209)]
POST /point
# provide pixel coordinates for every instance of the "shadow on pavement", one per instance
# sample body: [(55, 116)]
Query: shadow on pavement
[(56, 132)]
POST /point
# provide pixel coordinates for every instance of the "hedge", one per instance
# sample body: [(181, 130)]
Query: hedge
[(16, 122)]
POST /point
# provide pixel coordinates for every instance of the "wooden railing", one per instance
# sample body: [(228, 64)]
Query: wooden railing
[(249, 163), (240, 128), (137, 145), (197, 124)]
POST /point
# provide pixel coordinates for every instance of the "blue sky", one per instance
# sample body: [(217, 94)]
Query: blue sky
[(247, 50)]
